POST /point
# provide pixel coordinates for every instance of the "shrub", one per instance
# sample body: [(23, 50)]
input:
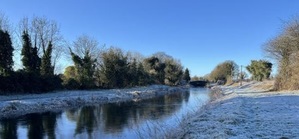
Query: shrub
[(71, 84)]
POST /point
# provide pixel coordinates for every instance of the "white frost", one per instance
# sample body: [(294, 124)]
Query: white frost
[(247, 112)]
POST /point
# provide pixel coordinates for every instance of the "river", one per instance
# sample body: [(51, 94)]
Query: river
[(143, 119)]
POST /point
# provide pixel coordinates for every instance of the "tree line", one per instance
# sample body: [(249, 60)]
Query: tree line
[(115, 68), (37, 74), (229, 72), (40, 46)]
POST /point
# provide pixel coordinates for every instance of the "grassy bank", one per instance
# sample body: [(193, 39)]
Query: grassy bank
[(248, 111)]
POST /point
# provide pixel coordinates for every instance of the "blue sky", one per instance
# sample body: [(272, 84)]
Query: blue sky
[(201, 33)]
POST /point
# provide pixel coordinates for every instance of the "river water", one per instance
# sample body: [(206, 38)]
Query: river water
[(144, 119)]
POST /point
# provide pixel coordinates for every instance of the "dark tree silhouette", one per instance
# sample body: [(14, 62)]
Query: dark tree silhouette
[(186, 75), (46, 66), (30, 59), (6, 54)]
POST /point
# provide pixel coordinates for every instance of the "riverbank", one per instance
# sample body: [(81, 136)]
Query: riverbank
[(249, 111), (17, 105)]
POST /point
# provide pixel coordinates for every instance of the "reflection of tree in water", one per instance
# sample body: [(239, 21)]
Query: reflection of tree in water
[(87, 120), (115, 116), (172, 103), (186, 96), (35, 126), (72, 114), (39, 125), (162, 106), (8, 129), (49, 124)]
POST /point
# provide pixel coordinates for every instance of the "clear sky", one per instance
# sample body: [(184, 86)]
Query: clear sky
[(201, 33)]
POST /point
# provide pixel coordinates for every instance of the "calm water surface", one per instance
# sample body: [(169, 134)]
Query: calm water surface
[(146, 119)]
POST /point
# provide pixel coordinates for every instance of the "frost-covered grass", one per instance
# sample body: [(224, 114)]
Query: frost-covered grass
[(245, 112), (215, 93), (17, 105)]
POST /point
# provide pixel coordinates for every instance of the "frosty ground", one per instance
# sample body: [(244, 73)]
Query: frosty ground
[(249, 111), (17, 105)]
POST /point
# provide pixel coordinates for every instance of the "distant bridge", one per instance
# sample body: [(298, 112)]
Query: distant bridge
[(198, 83)]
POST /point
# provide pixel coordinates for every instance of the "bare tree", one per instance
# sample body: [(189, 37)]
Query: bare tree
[(84, 44), (162, 56), (4, 22), (286, 43), (284, 48), (42, 31), (138, 57)]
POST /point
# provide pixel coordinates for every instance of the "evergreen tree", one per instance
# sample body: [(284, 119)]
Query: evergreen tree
[(114, 68), (36, 61), (6, 53), (30, 59), (46, 66), (155, 67), (132, 78), (88, 70), (186, 75), (260, 69), (26, 51), (142, 75), (85, 70), (173, 72)]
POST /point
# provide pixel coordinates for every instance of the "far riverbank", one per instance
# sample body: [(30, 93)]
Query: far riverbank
[(17, 105)]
